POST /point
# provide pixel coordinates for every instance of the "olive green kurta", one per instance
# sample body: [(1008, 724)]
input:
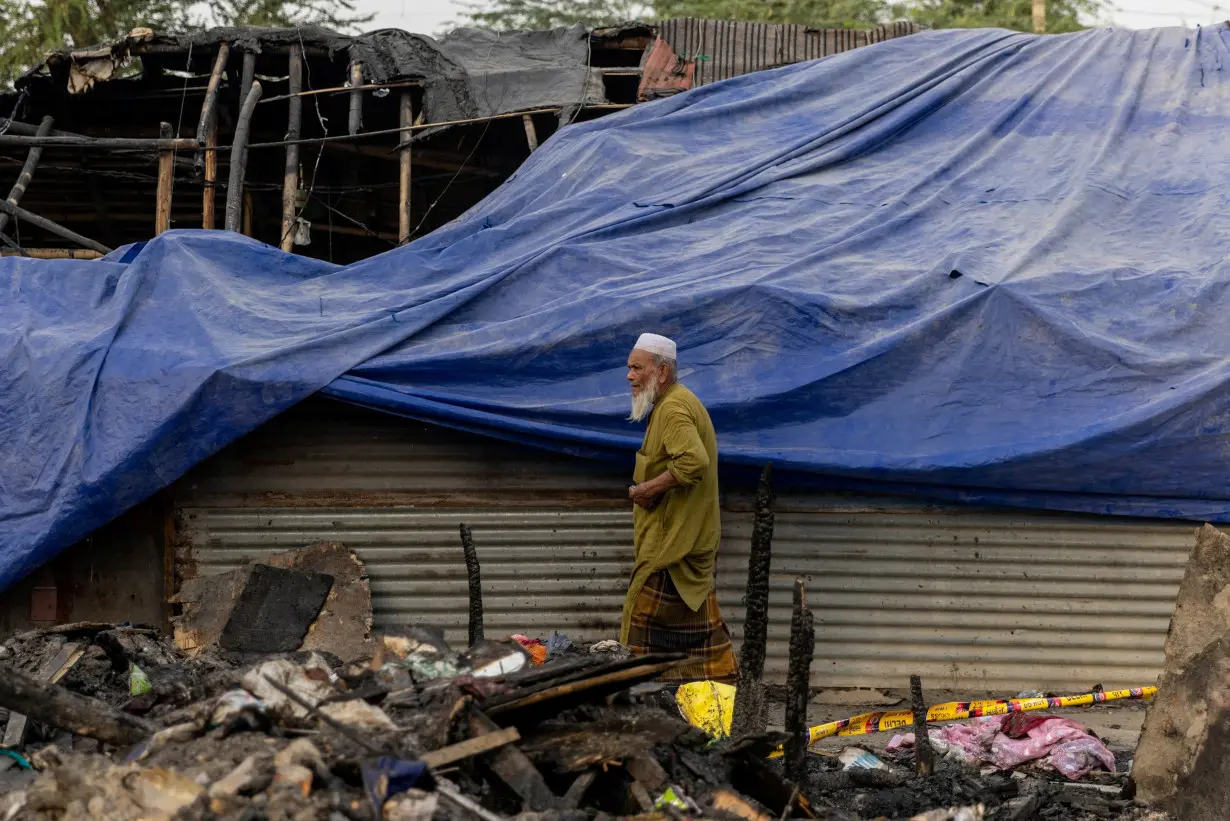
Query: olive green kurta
[(681, 533)]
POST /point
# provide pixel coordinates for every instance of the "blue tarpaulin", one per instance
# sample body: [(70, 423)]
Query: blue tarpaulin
[(965, 265)]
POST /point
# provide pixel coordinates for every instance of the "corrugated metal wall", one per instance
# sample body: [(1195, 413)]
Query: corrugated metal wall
[(985, 600), (724, 49)]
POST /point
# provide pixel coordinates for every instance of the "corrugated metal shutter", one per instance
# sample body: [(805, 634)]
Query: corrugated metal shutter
[(969, 599), (724, 48)]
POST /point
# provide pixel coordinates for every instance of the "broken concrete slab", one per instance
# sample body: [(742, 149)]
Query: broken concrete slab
[(342, 628), (1181, 722)]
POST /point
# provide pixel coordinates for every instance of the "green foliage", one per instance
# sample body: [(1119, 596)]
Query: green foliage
[(29, 29), (1061, 15), (338, 15), (511, 15), (818, 13)]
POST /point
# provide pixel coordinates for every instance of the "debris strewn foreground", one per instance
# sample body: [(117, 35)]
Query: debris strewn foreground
[(418, 731), (274, 701)]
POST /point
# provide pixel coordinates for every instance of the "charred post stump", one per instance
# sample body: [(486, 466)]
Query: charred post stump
[(749, 714), (476, 586), (924, 756), (798, 686)]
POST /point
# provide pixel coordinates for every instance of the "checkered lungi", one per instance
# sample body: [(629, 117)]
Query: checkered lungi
[(663, 623)]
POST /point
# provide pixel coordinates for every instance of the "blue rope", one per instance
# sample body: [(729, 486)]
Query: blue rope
[(18, 757)]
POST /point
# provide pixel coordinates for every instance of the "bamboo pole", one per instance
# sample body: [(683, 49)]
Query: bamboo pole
[(52, 227), (208, 211), (166, 180), (239, 158), (209, 108), (341, 90), (404, 226), (111, 143), (8, 126), (51, 253), (290, 180), (27, 170), (356, 98), (531, 134)]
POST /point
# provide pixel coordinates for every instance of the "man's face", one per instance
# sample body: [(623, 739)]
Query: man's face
[(641, 370)]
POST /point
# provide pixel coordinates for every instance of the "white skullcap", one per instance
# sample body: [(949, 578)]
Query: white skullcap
[(655, 344)]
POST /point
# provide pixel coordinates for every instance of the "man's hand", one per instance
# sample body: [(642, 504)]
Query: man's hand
[(646, 493)]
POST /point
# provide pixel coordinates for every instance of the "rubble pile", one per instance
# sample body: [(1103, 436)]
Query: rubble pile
[(416, 731), (274, 701)]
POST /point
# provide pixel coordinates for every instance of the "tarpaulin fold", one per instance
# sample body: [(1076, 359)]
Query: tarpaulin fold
[(964, 265)]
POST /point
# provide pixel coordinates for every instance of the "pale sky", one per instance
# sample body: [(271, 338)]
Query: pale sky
[(431, 16)]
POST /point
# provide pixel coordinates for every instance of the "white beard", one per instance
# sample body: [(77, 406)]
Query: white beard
[(642, 402)]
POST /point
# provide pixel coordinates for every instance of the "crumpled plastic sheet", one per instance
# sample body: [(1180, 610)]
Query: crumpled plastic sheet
[(1060, 744)]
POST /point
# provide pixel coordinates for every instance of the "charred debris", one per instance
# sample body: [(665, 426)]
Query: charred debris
[(274, 699), (332, 146)]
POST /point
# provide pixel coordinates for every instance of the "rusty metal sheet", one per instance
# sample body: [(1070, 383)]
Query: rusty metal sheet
[(663, 73), (968, 598), (723, 49)]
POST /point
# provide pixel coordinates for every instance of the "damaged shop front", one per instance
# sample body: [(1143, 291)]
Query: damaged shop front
[(970, 598)]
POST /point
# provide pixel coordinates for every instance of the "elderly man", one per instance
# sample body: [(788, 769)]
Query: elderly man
[(671, 605)]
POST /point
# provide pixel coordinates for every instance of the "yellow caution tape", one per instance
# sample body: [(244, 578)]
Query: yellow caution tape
[(960, 710), (709, 705)]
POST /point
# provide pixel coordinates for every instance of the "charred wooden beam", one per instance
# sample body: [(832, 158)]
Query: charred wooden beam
[(51, 227), (27, 170), (406, 170), (798, 686), (355, 123), (924, 756), (476, 586), (99, 143), (209, 216), (52, 704), (290, 180), (749, 714), (239, 158), (209, 108), (166, 182), (8, 126), (248, 77)]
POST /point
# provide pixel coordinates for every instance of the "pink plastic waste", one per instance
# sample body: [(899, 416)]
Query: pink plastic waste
[(1059, 743)]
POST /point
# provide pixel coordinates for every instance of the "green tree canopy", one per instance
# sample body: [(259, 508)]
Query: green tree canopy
[(1062, 15), (29, 29)]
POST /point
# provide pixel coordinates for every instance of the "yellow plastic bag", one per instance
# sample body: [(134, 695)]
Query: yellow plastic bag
[(708, 705)]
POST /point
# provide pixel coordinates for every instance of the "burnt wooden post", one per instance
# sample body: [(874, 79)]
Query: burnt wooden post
[(27, 171), (476, 586), (290, 181), (53, 227), (207, 137), (924, 755), (52, 704), (166, 182), (356, 97), (248, 75), (239, 158), (405, 159), (798, 686), (749, 714)]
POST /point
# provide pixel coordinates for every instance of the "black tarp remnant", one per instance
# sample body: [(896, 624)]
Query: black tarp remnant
[(469, 73)]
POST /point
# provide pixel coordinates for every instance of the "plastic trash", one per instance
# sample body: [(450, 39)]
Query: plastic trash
[(385, 777), (558, 643), (412, 805), (856, 758), (675, 797), (708, 705), (502, 666), (138, 682)]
